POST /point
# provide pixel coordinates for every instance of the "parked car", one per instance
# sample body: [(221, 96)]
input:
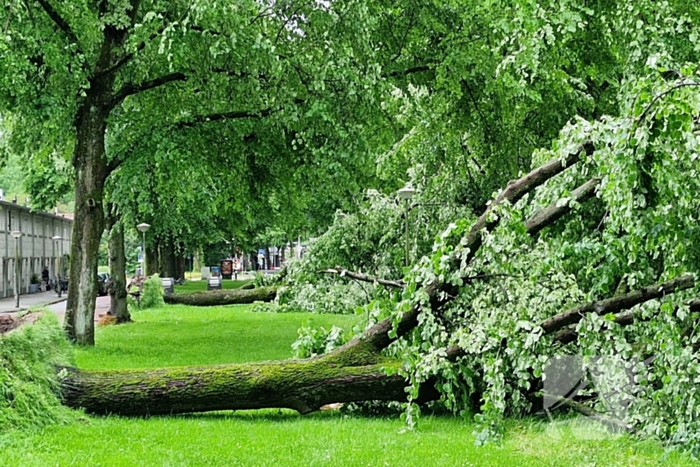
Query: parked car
[(103, 281)]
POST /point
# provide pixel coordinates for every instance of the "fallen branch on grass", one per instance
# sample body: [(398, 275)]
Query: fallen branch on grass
[(223, 297)]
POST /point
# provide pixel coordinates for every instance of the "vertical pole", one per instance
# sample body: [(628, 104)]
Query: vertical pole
[(60, 261), (18, 271), (406, 235), (143, 249), (58, 267), (58, 264)]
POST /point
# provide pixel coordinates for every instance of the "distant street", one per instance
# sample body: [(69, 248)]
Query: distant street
[(101, 308)]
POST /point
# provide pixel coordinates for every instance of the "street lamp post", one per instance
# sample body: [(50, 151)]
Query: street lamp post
[(57, 277), (143, 228), (16, 234), (406, 193)]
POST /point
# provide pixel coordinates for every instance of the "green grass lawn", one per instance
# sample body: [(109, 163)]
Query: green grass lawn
[(200, 285), (203, 336), (180, 335)]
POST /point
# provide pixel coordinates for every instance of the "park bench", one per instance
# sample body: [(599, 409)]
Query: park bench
[(214, 283)]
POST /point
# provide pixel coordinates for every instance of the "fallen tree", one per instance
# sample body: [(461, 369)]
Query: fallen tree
[(356, 371), (304, 386), (223, 297)]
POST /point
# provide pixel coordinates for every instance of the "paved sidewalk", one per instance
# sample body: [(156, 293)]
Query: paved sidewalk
[(31, 301)]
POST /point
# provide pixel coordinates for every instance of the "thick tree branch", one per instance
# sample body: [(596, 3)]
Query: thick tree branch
[(126, 58), (130, 89), (223, 297), (617, 304), (362, 277), (519, 188), (547, 216), (60, 22), (380, 335), (569, 334), (407, 71), (232, 115)]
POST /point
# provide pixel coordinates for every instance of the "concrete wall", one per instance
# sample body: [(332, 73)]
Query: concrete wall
[(36, 247)]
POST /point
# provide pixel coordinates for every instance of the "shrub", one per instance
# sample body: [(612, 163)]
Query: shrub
[(262, 280), (152, 293), (317, 341)]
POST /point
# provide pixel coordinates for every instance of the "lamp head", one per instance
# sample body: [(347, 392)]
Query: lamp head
[(16, 233), (143, 227), (406, 192)]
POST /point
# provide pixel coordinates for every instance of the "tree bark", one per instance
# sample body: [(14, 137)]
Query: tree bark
[(617, 304), (223, 297), (180, 262), (167, 258), (302, 385), (117, 267), (153, 257), (91, 171), (545, 217)]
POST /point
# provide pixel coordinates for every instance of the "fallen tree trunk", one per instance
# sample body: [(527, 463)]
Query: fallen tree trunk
[(301, 385), (223, 297)]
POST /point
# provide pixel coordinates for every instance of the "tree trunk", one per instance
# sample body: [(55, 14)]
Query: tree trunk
[(117, 267), (223, 297), (91, 172), (152, 257), (180, 263), (302, 385), (167, 258)]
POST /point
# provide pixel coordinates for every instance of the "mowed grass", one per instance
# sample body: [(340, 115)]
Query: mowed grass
[(200, 285), (181, 335), (272, 438)]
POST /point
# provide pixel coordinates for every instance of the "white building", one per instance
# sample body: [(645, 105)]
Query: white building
[(37, 246)]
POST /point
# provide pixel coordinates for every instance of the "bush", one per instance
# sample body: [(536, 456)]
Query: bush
[(317, 341), (262, 280), (152, 293), (29, 395)]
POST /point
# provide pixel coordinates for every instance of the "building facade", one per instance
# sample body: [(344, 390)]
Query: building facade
[(45, 241)]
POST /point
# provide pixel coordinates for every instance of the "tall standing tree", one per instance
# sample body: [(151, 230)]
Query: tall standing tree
[(74, 73)]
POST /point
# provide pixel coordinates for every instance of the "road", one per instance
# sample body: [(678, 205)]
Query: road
[(101, 308)]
